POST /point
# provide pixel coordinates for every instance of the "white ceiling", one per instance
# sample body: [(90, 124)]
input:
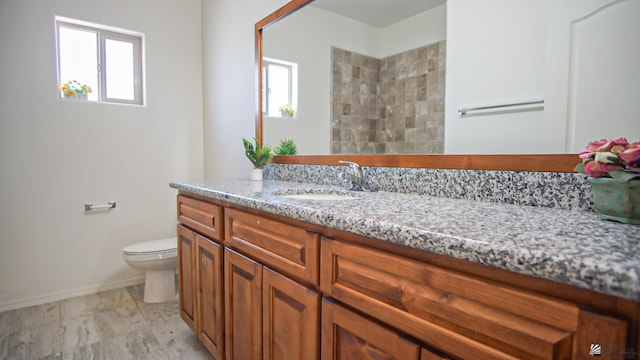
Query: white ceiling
[(378, 13)]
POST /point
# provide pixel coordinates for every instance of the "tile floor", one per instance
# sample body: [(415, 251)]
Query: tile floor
[(114, 324)]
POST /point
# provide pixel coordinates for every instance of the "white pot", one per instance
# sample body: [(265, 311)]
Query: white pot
[(78, 97), (256, 175)]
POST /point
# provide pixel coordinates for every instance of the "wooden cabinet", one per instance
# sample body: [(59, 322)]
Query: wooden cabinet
[(349, 336), (461, 314), (210, 295), (201, 288), (201, 216), (290, 319), (187, 276), (291, 250), (279, 290), (268, 315), (243, 301), (200, 264)]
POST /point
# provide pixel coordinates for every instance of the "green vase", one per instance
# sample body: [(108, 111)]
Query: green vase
[(616, 200)]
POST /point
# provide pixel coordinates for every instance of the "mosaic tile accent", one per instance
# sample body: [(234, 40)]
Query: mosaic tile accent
[(568, 191), (390, 105), (570, 247)]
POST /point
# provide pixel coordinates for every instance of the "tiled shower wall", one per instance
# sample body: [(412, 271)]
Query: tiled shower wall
[(393, 105)]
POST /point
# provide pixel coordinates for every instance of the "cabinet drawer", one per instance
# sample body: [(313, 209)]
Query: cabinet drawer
[(347, 335), (463, 315), (292, 250), (201, 216)]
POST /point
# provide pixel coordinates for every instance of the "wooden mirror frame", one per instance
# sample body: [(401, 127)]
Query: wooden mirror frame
[(506, 162)]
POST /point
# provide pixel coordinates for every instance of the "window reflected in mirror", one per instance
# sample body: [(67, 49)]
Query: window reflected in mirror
[(279, 88)]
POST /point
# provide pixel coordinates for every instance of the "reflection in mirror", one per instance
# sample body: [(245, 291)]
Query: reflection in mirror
[(567, 53), (363, 89)]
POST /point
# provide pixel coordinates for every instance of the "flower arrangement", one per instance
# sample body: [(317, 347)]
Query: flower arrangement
[(617, 159), (73, 87), (286, 109)]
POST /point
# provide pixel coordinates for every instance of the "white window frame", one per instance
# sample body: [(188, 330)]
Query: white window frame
[(293, 82), (105, 33)]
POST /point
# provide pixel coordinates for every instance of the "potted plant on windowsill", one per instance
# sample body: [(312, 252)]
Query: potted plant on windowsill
[(258, 155), (286, 110), (613, 170), (75, 90)]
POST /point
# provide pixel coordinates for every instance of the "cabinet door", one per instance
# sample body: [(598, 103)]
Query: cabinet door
[(210, 310), (186, 276), (290, 319), (349, 336), (243, 312)]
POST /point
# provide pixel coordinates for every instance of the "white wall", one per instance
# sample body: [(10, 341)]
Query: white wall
[(425, 28), (229, 82), (495, 55), (56, 155)]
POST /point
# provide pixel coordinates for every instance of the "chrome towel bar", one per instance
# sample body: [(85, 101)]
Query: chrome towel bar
[(463, 111), (90, 206)]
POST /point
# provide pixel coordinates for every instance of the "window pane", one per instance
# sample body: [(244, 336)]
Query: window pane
[(79, 58), (278, 92), (119, 69)]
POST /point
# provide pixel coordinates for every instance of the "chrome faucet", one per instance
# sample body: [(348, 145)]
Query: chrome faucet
[(354, 178)]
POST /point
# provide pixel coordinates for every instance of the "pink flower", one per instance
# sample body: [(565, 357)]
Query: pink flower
[(606, 157), (630, 154), (596, 169), (592, 146), (619, 143), (604, 145), (586, 154)]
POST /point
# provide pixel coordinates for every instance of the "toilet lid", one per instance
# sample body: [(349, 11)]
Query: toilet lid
[(153, 246)]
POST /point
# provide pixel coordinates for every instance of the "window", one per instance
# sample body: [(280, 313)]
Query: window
[(106, 59), (279, 86)]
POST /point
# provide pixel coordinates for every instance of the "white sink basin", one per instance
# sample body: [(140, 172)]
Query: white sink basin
[(314, 194)]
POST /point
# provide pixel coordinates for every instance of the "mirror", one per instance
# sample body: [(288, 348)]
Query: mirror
[(473, 64)]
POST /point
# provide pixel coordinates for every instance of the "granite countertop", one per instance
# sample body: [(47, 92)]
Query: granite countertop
[(570, 247)]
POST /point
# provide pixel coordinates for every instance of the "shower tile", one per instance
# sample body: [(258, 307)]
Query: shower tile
[(392, 88)]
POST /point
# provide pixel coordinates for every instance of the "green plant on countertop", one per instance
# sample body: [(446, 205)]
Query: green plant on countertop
[(286, 147), (258, 155)]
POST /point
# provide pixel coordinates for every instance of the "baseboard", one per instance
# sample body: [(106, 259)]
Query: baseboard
[(67, 294)]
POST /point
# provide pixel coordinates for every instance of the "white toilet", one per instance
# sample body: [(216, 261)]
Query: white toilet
[(159, 259)]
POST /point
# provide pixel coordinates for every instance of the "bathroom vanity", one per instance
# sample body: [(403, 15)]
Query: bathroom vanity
[(288, 270)]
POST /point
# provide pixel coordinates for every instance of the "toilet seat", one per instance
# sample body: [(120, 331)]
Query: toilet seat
[(161, 246)]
